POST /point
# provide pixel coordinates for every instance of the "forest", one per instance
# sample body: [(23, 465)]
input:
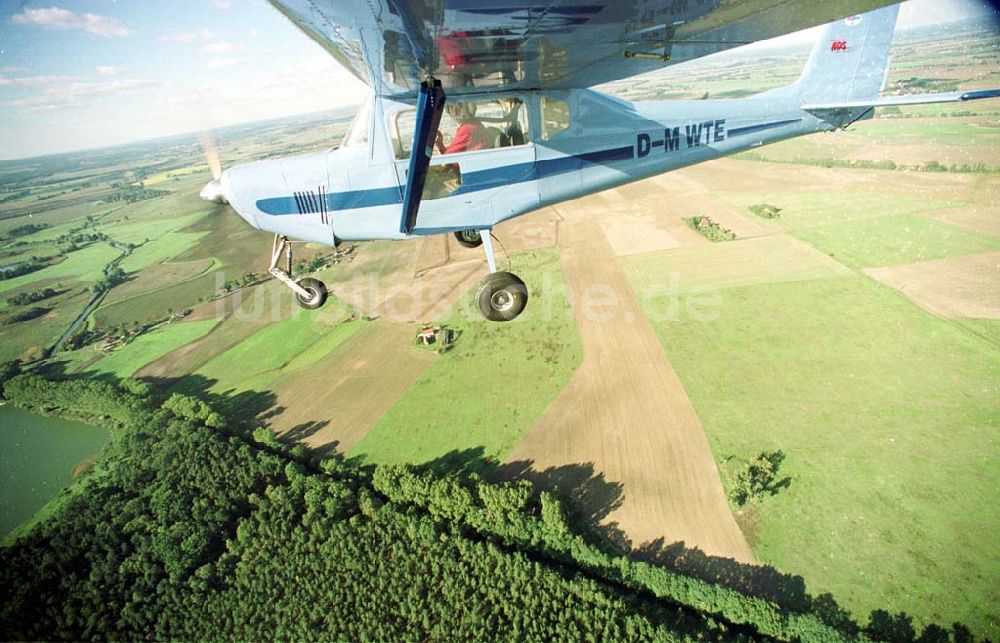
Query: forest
[(191, 525)]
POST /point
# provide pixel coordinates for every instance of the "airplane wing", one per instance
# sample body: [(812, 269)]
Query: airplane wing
[(477, 46)]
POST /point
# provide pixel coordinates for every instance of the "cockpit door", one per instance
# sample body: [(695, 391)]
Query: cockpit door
[(483, 150)]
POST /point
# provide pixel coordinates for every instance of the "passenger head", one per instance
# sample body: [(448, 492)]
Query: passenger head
[(462, 112)]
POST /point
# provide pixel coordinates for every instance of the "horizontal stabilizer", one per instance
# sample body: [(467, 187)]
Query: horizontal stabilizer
[(911, 99)]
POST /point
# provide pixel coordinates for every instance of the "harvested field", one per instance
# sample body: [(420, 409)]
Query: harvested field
[(626, 412), (649, 215), (976, 217), (736, 263), (955, 287), (420, 280), (334, 402), (827, 195), (632, 232)]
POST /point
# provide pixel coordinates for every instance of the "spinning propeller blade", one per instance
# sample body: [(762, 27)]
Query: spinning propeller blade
[(213, 190)]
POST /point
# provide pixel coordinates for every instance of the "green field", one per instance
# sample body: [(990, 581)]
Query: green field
[(887, 416), (86, 265), (28, 339), (144, 229), (72, 217), (158, 303), (492, 386), (323, 346), (59, 218), (151, 346), (932, 133), (294, 342), (893, 240), (219, 235), (820, 206), (160, 249)]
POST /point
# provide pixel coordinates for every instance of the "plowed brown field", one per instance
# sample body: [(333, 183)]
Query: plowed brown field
[(626, 412)]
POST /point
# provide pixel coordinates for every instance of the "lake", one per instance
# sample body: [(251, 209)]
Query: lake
[(37, 456)]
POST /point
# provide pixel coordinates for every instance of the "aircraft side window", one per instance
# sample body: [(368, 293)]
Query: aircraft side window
[(442, 178), (357, 133), (555, 116), (467, 126), (402, 132)]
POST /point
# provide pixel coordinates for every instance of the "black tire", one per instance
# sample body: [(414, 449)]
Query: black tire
[(469, 238), (316, 288), (501, 296)]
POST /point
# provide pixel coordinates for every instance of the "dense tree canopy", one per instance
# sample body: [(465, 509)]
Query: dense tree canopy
[(185, 530)]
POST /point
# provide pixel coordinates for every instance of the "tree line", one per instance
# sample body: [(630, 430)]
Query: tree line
[(31, 297)]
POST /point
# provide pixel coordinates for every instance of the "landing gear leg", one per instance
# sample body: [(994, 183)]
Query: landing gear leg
[(309, 293), (500, 296)]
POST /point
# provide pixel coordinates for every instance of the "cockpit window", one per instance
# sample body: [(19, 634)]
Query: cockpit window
[(555, 116), (357, 134), (467, 126)]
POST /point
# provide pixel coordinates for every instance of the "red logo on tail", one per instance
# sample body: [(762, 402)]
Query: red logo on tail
[(838, 45)]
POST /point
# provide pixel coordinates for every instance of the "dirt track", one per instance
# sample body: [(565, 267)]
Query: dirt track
[(626, 412)]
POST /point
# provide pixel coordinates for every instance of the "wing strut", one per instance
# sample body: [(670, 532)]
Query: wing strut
[(430, 106)]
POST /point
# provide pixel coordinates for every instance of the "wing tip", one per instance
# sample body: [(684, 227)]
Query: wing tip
[(980, 93)]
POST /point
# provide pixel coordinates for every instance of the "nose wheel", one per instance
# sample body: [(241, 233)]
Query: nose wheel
[(500, 296), (309, 293)]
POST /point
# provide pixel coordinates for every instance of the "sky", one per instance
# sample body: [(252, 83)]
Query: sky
[(91, 73)]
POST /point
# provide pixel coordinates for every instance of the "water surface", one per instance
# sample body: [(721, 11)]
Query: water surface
[(37, 456)]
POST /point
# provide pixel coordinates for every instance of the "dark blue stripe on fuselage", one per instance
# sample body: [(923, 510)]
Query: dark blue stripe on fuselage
[(471, 182), (750, 129), (335, 201), (521, 172)]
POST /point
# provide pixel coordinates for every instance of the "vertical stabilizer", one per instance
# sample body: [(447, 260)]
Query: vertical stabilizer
[(850, 61)]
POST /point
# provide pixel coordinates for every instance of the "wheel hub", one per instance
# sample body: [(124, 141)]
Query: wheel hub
[(501, 301)]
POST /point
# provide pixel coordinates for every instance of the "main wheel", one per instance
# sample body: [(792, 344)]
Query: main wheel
[(317, 293), (501, 296), (469, 238)]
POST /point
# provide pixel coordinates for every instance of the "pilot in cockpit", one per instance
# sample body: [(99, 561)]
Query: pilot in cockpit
[(471, 133)]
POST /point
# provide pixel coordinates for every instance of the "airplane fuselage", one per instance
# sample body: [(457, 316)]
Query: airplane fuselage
[(356, 190)]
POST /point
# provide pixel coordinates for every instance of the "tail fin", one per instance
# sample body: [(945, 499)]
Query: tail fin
[(848, 68), (850, 61)]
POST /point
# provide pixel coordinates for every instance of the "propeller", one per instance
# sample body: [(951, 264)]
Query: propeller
[(214, 190)]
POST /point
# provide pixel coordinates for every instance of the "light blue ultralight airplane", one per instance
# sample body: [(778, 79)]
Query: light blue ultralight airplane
[(521, 130)]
